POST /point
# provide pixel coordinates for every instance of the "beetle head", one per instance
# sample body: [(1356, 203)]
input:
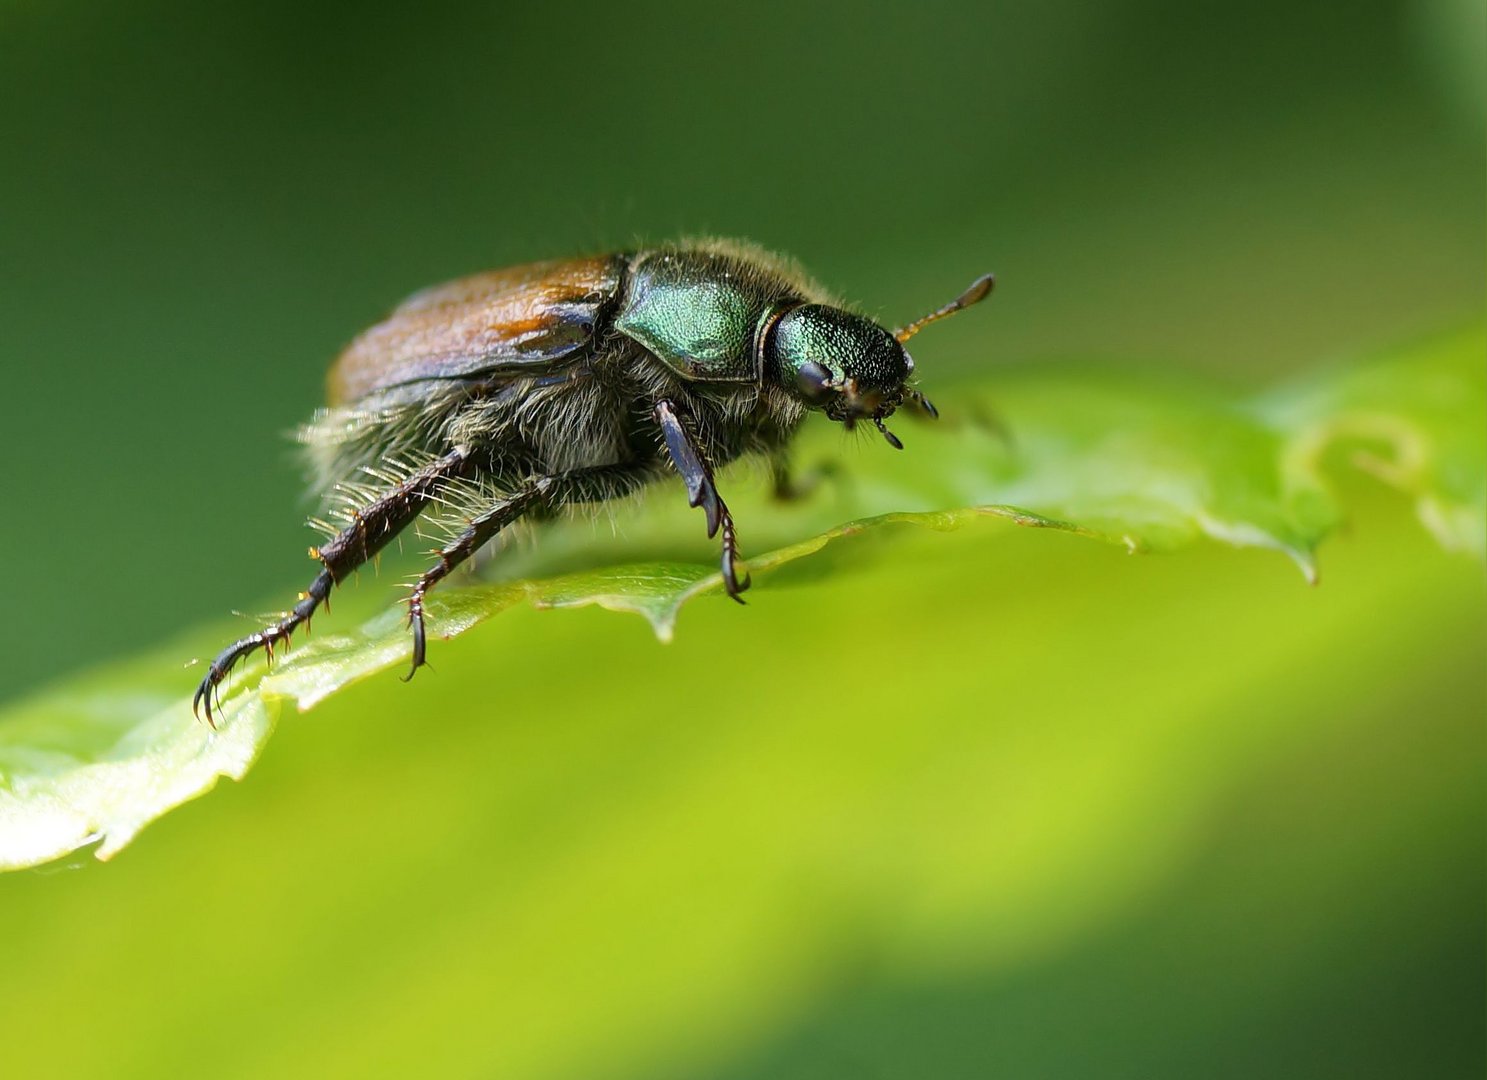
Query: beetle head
[(848, 366)]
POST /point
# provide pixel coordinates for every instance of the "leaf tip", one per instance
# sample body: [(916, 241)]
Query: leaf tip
[(663, 625), (1306, 561)]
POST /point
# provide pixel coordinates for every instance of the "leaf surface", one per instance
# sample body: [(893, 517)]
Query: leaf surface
[(1121, 456)]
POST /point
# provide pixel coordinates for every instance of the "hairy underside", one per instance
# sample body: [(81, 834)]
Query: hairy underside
[(582, 417)]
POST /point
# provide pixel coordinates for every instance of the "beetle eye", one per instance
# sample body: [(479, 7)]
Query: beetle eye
[(815, 381)]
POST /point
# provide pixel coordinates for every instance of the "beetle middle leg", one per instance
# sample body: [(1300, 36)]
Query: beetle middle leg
[(476, 533), (693, 465), (596, 484), (372, 529), (788, 486)]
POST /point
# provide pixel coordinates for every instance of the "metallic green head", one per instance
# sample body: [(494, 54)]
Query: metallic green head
[(848, 366)]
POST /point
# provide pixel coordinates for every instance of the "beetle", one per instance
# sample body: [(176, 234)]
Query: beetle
[(514, 393)]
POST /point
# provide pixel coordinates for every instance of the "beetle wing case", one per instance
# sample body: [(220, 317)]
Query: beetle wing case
[(504, 321)]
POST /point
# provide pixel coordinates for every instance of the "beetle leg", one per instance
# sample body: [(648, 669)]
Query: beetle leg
[(787, 487), (474, 536), (581, 485), (371, 530), (689, 460)]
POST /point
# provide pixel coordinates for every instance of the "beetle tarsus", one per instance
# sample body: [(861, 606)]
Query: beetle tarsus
[(206, 699), (730, 556), (420, 640)]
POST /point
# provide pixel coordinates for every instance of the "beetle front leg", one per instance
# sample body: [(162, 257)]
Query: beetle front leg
[(690, 461)]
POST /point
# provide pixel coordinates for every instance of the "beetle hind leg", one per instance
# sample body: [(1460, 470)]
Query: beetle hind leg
[(266, 639), (373, 527)]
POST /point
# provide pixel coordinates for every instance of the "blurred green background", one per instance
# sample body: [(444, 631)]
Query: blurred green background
[(1166, 817)]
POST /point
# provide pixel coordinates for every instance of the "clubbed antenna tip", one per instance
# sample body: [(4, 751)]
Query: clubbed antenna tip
[(979, 290)]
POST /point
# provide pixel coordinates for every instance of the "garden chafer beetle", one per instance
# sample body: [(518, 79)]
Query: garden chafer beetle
[(514, 393)]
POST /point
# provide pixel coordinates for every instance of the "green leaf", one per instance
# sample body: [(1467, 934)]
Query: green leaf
[(1121, 456)]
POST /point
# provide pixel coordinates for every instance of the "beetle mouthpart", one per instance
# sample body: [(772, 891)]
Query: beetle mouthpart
[(864, 404), (890, 436), (922, 402)]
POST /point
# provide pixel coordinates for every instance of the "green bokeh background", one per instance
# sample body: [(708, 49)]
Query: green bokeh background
[(1164, 817)]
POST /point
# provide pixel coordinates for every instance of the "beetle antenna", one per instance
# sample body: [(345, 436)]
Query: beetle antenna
[(890, 436), (980, 289)]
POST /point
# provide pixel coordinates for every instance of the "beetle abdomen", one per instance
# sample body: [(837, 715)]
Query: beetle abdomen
[(515, 320)]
